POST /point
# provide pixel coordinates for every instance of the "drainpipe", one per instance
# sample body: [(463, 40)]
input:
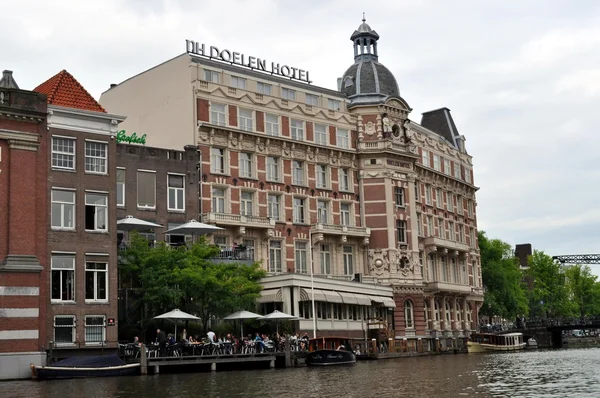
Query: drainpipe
[(363, 222)]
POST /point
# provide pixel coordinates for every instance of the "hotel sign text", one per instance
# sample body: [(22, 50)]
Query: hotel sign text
[(234, 58)]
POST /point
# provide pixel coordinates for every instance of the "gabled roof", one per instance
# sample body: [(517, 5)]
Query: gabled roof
[(64, 90)]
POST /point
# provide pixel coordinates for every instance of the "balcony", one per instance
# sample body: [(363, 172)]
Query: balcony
[(244, 255), (238, 220), (333, 229), (440, 243), (448, 287), (378, 146)]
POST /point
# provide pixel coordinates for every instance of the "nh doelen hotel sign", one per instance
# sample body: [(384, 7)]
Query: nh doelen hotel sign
[(234, 58)]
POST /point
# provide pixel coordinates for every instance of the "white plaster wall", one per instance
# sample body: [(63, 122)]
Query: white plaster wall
[(16, 365)]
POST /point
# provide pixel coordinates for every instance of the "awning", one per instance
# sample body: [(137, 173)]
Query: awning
[(362, 299), (385, 301), (348, 298), (332, 297), (320, 295), (270, 296)]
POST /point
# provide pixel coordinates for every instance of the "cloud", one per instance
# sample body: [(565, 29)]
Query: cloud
[(586, 82)]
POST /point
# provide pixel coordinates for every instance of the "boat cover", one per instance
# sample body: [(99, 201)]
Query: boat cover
[(90, 361)]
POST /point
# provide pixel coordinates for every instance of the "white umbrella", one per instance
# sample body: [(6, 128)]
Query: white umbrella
[(177, 315), (193, 227), (241, 315), (278, 316), (131, 223)]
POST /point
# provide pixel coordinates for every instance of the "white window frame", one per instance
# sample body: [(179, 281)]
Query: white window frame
[(451, 231), (342, 138), (401, 231), (274, 168), (104, 206), (438, 198), (63, 155), (460, 205), (348, 259), (216, 115), (86, 328), (274, 206), (321, 134), (272, 126), (470, 208), (288, 94), (468, 175), (409, 319), (121, 186), (311, 99), (417, 192), (247, 203), (419, 224), (96, 272), (346, 216), (437, 165), (297, 129), (447, 170), (246, 164), (430, 227), (333, 104), (218, 202), (209, 76), (179, 193), (428, 197), (264, 88), (345, 179), (299, 210), (300, 256), (218, 160), (399, 196), (426, 158), (298, 172), (461, 233), (73, 328), (325, 259), (72, 269), (145, 206), (238, 82), (98, 163), (323, 211), (63, 205), (275, 255), (441, 228), (450, 201), (457, 172), (245, 119), (322, 176)]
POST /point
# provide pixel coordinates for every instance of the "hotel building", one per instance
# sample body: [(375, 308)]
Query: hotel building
[(382, 208)]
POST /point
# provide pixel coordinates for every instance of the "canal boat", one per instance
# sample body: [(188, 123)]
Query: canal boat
[(85, 366), (486, 342), (327, 351)]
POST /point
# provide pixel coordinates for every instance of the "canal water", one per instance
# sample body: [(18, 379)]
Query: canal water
[(558, 373)]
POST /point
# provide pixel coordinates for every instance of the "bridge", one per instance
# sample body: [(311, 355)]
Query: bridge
[(583, 259), (548, 332)]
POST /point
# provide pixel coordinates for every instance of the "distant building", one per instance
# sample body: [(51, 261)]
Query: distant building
[(522, 252)]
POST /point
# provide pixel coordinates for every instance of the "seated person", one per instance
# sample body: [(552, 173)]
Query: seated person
[(191, 339), (136, 341), (171, 339)]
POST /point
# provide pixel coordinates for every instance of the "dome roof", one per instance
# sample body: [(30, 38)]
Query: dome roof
[(369, 78), (364, 28)]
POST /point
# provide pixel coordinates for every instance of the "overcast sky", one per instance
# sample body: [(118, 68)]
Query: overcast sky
[(522, 79)]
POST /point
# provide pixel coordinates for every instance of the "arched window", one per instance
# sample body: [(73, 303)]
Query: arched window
[(437, 310), (408, 314), (447, 311), (458, 311)]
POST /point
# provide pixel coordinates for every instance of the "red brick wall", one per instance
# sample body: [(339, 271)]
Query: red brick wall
[(233, 115), (285, 126), (309, 131), (260, 121), (203, 110), (332, 136)]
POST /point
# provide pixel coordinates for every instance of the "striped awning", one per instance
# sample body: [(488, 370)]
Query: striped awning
[(385, 301), (320, 295), (271, 296), (332, 297), (348, 298), (362, 299)]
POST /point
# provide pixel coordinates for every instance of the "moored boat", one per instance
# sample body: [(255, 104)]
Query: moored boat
[(485, 342), (85, 366), (328, 351)]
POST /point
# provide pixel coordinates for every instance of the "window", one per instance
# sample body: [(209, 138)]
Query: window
[(312, 99), (399, 192), (467, 175), (344, 180), (95, 157), (63, 153), (63, 277), (321, 176), (463, 271), (272, 125), (245, 119), (454, 270), (64, 329), (408, 314), (96, 212), (456, 170), (288, 94), (217, 160), (246, 203), (459, 205), (212, 76), (95, 329), (321, 136), (299, 210), (429, 225), (419, 225), (238, 82), (221, 241), (297, 127), (417, 192), (275, 256), (438, 198), (63, 209), (246, 169), (428, 195), (470, 208), (325, 257), (120, 187), (472, 237), (432, 269), (436, 162), (441, 229), (274, 205), (333, 105), (176, 192), (264, 88), (297, 172), (447, 166), (322, 212), (401, 230), (217, 114), (451, 231), (450, 201), (426, 161), (348, 253), (218, 200), (96, 281), (443, 270), (146, 189), (475, 274), (343, 138), (301, 257), (345, 214), (273, 166)]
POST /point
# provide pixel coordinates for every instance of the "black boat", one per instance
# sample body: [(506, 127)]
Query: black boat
[(85, 366), (327, 351)]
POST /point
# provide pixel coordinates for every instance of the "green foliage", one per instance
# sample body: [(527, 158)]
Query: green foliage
[(505, 293), (583, 289), (550, 294), (187, 279)]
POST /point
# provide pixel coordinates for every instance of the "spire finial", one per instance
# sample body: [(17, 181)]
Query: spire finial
[(364, 19)]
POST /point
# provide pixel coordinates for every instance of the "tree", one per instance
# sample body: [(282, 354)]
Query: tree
[(582, 291), (549, 295), (505, 294), (187, 279)]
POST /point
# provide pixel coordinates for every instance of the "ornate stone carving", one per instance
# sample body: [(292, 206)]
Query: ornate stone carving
[(370, 128), (378, 262)]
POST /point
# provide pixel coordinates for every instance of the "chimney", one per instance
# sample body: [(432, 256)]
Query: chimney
[(7, 80), (113, 85)]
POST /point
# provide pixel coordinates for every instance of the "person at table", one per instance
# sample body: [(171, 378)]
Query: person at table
[(136, 341), (161, 339), (211, 336), (191, 339), (171, 339), (260, 345)]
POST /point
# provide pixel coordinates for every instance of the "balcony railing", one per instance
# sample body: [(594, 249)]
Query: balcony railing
[(238, 220), (334, 229), (449, 287), (445, 243), (236, 253), (371, 146)]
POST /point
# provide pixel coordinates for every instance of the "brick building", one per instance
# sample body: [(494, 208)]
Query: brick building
[(341, 182), (81, 230), (23, 215)]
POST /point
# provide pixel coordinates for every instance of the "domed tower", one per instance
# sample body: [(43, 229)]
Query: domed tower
[(367, 81)]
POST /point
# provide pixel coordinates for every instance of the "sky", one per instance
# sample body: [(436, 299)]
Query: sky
[(522, 79)]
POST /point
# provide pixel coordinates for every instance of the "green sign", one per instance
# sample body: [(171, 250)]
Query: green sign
[(130, 139)]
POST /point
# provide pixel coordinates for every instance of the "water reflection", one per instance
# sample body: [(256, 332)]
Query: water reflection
[(523, 374)]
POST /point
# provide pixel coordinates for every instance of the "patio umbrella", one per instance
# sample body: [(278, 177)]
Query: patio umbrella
[(131, 223), (278, 316), (177, 315), (241, 315), (193, 227)]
